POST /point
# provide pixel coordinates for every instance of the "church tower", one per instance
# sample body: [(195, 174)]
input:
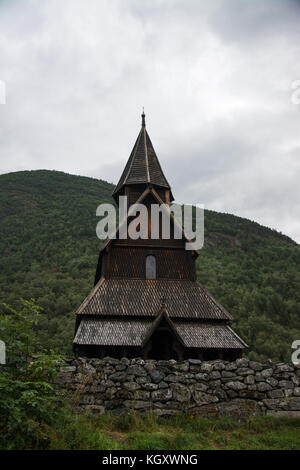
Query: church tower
[(146, 301)]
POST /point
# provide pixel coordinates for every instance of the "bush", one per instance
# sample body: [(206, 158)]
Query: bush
[(27, 400)]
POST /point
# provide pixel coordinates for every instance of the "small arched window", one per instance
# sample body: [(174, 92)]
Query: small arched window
[(150, 267)]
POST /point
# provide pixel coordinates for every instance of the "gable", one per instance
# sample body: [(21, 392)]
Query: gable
[(148, 197)]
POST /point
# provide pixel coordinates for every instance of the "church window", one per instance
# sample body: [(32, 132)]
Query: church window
[(150, 267)]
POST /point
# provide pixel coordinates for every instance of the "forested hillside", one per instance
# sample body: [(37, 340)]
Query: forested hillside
[(49, 252)]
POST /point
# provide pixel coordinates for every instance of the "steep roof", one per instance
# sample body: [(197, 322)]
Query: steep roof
[(143, 166), (130, 332), (144, 298), (112, 332), (207, 335)]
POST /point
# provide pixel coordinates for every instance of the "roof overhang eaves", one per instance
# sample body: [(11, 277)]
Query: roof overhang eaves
[(238, 337), (227, 314)]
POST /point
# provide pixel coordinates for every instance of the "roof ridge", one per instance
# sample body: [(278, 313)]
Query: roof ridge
[(90, 295), (237, 336), (223, 309), (162, 314), (146, 154)]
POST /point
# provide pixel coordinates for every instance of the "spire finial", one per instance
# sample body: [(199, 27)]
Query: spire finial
[(143, 118)]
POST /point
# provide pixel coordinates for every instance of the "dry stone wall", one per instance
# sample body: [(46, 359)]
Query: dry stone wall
[(212, 389)]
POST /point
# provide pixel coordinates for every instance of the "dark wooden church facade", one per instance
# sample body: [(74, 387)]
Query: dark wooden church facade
[(146, 301)]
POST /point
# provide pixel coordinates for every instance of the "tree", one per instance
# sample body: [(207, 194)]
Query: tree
[(27, 399)]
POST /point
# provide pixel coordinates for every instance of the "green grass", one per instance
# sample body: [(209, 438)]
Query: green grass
[(174, 433)]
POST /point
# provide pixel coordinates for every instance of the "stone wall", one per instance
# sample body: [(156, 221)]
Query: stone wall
[(215, 388)]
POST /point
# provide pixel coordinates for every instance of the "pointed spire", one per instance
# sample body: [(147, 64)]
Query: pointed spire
[(142, 166)]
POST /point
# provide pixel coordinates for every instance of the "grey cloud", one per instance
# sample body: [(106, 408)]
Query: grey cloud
[(214, 77), (257, 21)]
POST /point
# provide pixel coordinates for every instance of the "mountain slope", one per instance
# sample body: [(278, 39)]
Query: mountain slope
[(49, 252)]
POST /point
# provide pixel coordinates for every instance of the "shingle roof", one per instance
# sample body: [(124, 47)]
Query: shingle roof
[(143, 165), (141, 297), (111, 332), (128, 332), (206, 335)]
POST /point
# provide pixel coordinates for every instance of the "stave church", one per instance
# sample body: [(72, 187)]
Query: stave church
[(146, 300)]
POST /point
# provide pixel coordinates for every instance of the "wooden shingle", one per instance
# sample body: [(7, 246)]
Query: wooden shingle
[(144, 298)]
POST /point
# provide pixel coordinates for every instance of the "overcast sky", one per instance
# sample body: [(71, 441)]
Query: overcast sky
[(215, 78)]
